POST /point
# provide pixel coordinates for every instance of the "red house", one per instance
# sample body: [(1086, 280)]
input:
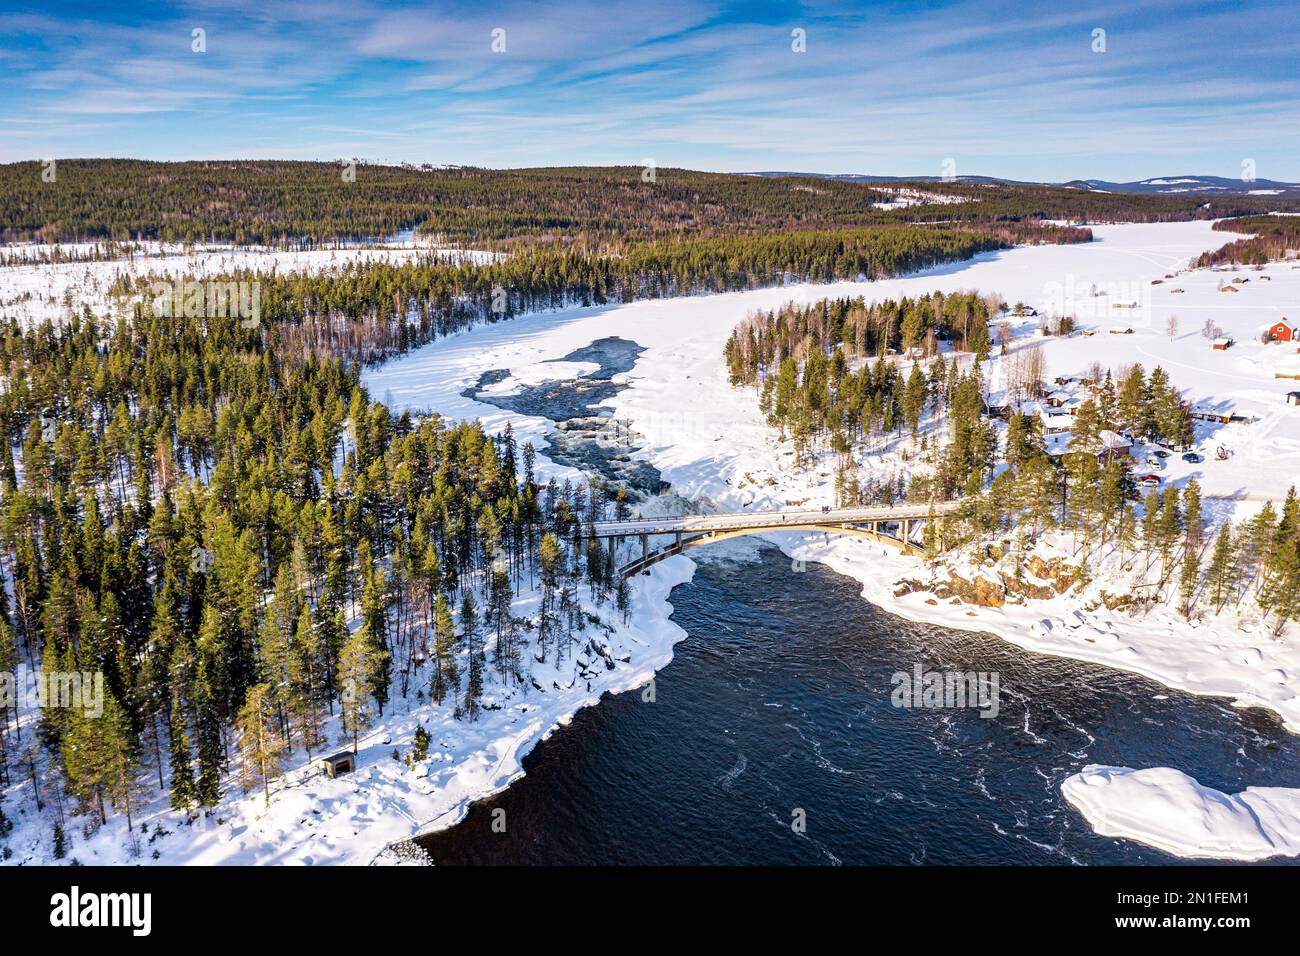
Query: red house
[(1283, 331)]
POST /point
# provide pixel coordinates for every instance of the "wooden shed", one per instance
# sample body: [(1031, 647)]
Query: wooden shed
[(339, 764)]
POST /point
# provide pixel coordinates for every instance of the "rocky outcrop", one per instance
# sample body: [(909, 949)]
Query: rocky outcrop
[(981, 591), (1062, 576), (1114, 602), (1039, 592), (1046, 579), (908, 586)]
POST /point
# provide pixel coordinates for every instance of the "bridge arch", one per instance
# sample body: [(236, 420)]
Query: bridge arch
[(682, 543), (694, 531)]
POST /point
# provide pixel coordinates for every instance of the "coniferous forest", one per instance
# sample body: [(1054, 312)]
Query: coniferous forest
[(198, 518), (1271, 238), (297, 203), (829, 376)]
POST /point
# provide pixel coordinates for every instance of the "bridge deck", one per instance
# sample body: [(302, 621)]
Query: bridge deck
[(769, 520)]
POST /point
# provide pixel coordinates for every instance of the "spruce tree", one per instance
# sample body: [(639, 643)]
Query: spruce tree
[(1220, 571), (184, 792), (445, 675)]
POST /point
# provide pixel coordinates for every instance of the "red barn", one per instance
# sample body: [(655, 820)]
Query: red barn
[(1283, 331)]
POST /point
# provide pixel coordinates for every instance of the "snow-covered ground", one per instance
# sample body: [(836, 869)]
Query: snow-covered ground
[(710, 441), (905, 196), (1167, 809)]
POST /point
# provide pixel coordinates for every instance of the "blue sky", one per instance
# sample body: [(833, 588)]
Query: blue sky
[(1009, 89)]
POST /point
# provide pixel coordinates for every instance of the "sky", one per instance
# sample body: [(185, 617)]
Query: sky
[(1021, 90)]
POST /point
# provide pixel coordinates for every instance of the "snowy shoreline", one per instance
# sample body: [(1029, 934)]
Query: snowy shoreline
[(650, 621), (1234, 666), (357, 818)]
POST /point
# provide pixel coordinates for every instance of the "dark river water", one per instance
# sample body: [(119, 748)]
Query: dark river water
[(586, 434), (778, 703)]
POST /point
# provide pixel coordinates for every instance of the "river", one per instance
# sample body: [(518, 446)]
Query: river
[(777, 708)]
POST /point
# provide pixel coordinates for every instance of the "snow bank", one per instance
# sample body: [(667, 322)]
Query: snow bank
[(1170, 811)]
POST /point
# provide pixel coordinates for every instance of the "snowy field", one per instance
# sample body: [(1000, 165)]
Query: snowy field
[(710, 440)]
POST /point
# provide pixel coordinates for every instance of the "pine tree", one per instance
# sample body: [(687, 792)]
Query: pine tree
[(361, 662), (209, 694), (184, 792), (1193, 520), (99, 757), (1281, 594), (623, 600), (1188, 578), (375, 603), (1220, 572), (261, 743), (8, 667), (306, 690), (469, 637)]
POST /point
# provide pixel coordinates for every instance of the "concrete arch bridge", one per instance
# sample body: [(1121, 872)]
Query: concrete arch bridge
[(898, 526)]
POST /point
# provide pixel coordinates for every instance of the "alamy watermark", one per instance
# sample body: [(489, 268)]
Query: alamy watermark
[(212, 299), (56, 690), (1124, 303), (947, 690)]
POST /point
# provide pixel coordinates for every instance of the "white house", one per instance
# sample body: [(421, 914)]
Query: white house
[(1055, 423)]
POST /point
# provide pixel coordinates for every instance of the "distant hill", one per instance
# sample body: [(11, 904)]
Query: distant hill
[(1191, 184), (276, 202), (1160, 185)]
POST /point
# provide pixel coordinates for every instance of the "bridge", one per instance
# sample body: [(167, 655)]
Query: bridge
[(693, 531)]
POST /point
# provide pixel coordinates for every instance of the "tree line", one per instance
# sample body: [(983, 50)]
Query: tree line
[(282, 203), (1273, 238), (371, 311)]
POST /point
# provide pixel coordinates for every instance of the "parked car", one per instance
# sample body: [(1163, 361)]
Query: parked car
[(1154, 462), (1160, 453), (1149, 481), (1194, 458)]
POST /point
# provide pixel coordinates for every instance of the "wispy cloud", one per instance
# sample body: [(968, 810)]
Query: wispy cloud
[(897, 88)]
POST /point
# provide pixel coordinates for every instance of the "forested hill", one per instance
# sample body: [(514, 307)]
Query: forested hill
[(276, 202), (1271, 237)]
